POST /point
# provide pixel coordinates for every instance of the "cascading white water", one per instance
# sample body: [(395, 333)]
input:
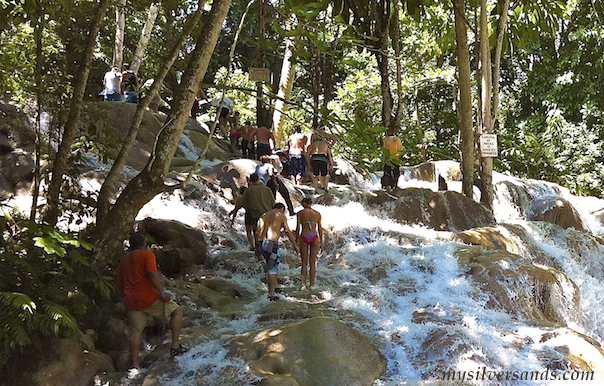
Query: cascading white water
[(404, 287)]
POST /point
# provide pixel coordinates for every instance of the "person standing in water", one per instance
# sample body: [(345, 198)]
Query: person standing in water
[(320, 160), (310, 239), (270, 226), (391, 167)]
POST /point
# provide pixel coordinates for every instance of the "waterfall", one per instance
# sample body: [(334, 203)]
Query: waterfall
[(428, 299)]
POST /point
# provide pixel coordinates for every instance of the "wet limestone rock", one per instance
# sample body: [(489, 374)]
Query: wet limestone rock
[(509, 237), (556, 210), (443, 211), (182, 246), (516, 286), (315, 352)]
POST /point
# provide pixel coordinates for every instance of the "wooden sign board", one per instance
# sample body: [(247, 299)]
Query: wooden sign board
[(488, 145), (260, 74)]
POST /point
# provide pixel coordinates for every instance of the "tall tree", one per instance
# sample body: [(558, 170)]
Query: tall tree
[(108, 235), (144, 39), (70, 131), (107, 190), (464, 110), (120, 28)]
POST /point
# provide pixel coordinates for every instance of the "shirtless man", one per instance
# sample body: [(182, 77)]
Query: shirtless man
[(310, 239), (319, 159), (247, 141), (270, 225), (297, 148), (263, 137)]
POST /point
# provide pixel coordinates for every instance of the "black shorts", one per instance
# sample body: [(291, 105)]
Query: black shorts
[(251, 220), (224, 112), (319, 167)]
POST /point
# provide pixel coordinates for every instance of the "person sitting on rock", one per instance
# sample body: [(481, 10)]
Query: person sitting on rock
[(144, 296), (270, 226)]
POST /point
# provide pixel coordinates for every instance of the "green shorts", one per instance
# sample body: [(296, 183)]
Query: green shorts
[(159, 309)]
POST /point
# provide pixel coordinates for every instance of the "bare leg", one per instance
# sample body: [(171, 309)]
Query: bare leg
[(304, 255), (250, 231), (325, 182), (272, 284), (136, 340), (315, 181), (222, 122), (314, 249), (176, 326)]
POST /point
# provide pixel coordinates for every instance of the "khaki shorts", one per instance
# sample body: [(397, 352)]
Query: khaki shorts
[(159, 309)]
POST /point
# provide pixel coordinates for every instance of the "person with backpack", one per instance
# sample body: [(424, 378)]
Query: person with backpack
[(129, 84)]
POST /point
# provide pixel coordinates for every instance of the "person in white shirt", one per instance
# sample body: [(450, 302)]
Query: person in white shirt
[(112, 83), (225, 111)]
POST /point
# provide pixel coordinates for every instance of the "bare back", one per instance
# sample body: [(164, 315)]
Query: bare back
[(297, 143), (271, 224), (318, 147), (247, 131), (309, 221), (263, 135)]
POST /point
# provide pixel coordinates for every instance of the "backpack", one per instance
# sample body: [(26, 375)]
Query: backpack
[(129, 81)]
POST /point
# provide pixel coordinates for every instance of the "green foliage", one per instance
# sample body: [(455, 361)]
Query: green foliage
[(45, 283)]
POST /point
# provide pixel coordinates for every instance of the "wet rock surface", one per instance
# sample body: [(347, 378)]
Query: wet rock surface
[(317, 351)]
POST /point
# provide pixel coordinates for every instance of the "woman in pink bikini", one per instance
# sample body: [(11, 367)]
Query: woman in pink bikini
[(310, 239)]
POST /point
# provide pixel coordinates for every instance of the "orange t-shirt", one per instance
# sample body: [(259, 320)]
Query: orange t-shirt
[(132, 280), (393, 144)]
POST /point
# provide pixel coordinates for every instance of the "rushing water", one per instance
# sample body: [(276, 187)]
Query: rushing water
[(403, 286)]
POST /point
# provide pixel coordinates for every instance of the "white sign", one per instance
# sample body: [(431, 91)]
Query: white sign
[(488, 145), (260, 74)]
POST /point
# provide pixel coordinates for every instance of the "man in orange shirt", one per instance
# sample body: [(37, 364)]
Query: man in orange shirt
[(391, 168), (144, 295)]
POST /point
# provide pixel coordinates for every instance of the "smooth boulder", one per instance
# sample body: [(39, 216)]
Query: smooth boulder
[(442, 211), (315, 352)]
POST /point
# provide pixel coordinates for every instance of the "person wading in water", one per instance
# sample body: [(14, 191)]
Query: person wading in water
[(310, 239)]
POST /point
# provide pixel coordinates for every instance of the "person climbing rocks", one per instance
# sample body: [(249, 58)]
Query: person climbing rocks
[(145, 295), (320, 161), (223, 115), (270, 226), (297, 148), (129, 84), (257, 200), (248, 147), (263, 138), (393, 146), (310, 239)]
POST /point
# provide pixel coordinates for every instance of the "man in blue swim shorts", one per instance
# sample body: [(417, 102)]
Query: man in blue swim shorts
[(271, 224)]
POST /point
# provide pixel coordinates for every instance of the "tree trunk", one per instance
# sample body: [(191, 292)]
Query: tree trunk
[(396, 43), (464, 112), (38, 79), (315, 75), (262, 113), (144, 39), (60, 162), (286, 84), (107, 190), (108, 235), (486, 90), (381, 17), (120, 26)]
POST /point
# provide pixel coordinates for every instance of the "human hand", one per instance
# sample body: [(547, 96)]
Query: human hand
[(165, 296)]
